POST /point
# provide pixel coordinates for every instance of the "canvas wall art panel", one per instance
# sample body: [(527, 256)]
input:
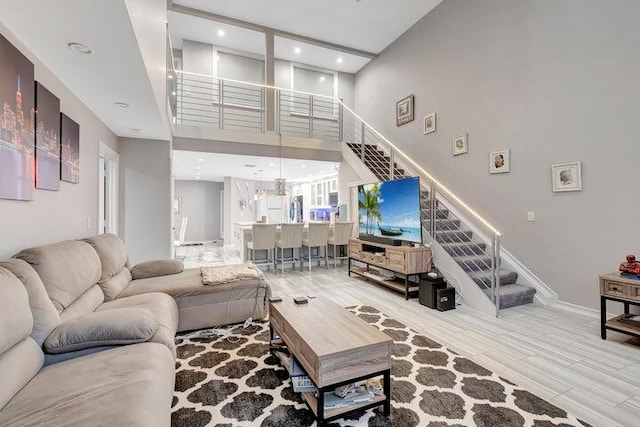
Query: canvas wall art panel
[(17, 124), (47, 139), (70, 150)]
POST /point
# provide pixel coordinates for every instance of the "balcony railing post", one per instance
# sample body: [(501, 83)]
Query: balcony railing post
[(340, 122), (362, 140), (278, 111), (262, 109), (496, 272), (432, 210), (221, 104), (311, 116), (391, 160)]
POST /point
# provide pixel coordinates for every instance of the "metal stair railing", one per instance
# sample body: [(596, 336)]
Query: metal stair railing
[(202, 100), (367, 140)]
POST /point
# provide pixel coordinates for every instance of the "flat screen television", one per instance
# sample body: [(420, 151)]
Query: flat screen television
[(390, 209)]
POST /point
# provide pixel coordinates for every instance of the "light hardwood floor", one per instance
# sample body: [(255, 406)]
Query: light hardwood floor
[(553, 352)]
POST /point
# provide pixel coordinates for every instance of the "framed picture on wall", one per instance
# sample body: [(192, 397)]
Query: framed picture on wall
[(566, 177), (17, 108), (430, 123), (69, 149), (499, 161), (177, 205), (47, 139), (404, 110), (460, 145)]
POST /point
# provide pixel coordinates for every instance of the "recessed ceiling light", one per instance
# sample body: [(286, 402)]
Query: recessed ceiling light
[(199, 167), (201, 160), (121, 104), (339, 60), (197, 177), (80, 48), (271, 164), (221, 33), (297, 51), (174, 93), (303, 166), (170, 76), (322, 78)]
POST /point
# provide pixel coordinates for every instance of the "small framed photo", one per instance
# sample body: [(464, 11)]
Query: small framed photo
[(404, 110), (499, 161), (460, 145), (177, 205), (430, 123), (566, 177)]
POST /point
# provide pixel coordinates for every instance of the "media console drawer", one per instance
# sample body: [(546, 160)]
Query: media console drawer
[(615, 289)]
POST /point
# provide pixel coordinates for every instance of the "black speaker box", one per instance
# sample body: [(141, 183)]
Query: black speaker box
[(446, 299), (427, 289)]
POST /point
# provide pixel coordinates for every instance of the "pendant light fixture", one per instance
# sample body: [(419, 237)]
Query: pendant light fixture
[(280, 183)]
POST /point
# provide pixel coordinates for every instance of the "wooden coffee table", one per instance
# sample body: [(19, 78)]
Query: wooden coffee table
[(335, 348)]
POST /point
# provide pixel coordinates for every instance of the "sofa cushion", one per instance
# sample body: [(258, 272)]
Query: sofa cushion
[(112, 252), (67, 269), (16, 320), (116, 284), (125, 386), (20, 356), (147, 269), (112, 327), (84, 304), (45, 315), (160, 305)]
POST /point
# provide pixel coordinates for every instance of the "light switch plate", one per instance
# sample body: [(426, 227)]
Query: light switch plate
[(531, 216)]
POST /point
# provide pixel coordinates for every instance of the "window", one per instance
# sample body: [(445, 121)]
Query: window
[(316, 81)]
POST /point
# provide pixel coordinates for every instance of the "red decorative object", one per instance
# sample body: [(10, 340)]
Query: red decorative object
[(631, 266)]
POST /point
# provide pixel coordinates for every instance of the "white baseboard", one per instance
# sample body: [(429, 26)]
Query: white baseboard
[(579, 309)]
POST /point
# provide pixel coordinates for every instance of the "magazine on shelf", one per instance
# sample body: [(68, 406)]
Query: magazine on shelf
[(290, 363), (303, 383), (632, 319), (332, 400)]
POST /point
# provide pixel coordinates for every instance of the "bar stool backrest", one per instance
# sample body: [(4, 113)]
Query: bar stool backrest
[(342, 233), (291, 235), (318, 234), (263, 236)]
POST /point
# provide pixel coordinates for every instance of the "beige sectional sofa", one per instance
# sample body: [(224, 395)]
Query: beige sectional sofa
[(87, 340)]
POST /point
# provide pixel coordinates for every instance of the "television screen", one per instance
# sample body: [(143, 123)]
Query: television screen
[(391, 209)]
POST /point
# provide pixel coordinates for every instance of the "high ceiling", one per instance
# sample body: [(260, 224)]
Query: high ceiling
[(368, 25), (127, 38)]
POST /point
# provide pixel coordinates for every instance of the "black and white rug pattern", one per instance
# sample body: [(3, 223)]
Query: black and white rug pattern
[(231, 379)]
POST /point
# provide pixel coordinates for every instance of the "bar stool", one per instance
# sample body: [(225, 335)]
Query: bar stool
[(340, 236), (263, 238), (290, 238), (316, 237)]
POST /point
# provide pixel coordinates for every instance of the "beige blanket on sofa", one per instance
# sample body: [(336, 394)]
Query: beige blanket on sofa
[(230, 273)]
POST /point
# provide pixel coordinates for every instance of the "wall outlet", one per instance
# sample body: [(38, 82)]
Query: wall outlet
[(531, 216)]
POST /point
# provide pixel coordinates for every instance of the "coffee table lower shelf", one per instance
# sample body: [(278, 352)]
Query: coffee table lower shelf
[(328, 414), (323, 415)]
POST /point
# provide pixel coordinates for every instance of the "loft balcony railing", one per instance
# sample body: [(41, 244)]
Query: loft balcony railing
[(202, 100)]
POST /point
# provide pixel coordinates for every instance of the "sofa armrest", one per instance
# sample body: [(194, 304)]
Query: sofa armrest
[(102, 328), (148, 269)]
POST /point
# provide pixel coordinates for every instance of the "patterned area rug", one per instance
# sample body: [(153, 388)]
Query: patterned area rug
[(232, 380)]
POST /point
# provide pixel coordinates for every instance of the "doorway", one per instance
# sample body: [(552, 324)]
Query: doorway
[(108, 168)]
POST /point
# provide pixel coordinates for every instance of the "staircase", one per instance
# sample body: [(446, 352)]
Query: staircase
[(458, 241)]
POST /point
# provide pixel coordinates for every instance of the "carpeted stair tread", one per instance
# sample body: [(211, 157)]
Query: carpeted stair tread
[(514, 295), (483, 277), (440, 213), (444, 224), (453, 236), (473, 262), (462, 249)]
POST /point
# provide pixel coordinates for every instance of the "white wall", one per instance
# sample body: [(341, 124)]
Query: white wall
[(145, 198), (554, 81), (72, 212), (201, 204), (232, 210)]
